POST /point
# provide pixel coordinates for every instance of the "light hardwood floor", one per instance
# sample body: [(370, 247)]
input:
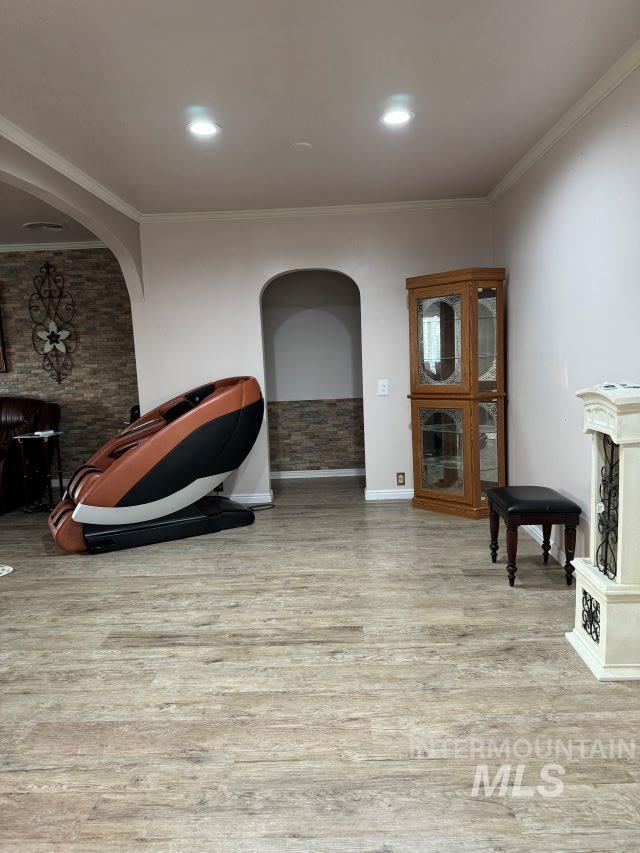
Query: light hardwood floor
[(298, 686)]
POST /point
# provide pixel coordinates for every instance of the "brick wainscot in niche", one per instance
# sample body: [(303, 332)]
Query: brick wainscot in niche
[(307, 435)]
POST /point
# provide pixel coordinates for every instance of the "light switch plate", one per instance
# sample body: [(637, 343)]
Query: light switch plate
[(383, 387)]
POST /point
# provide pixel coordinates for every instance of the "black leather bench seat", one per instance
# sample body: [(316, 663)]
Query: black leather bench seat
[(532, 505), (530, 499)]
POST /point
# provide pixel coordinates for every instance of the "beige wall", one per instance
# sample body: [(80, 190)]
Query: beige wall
[(201, 314), (568, 233)]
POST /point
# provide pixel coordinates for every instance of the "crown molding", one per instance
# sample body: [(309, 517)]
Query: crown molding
[(619, 71), (42, 152), (46, 155), (51, 247), (328, 210)]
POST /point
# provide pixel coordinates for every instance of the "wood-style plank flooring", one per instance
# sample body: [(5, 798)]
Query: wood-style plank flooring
[(298, 686)]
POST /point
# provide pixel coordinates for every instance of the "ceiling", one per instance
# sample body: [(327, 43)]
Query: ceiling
[(109, 86), (18, 207)]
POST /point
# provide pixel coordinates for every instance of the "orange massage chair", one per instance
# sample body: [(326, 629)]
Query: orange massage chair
[(151, 482)]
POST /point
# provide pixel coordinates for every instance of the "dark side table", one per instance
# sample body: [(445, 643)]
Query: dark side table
[(32, 473)]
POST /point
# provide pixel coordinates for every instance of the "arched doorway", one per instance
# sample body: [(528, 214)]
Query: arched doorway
[(313, 375), (99, 384), (117, 228)]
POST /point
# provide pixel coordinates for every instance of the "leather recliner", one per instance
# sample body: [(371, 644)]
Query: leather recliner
[(20, 415)]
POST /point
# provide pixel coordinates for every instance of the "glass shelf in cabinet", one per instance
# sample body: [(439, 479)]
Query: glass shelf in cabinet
[(490, 432)]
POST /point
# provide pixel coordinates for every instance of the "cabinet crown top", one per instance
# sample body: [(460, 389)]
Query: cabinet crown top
[(454, 276)]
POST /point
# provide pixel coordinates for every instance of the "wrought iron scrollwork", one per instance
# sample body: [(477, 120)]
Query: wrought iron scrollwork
[(51, 308), (591, 616), (606, 553)]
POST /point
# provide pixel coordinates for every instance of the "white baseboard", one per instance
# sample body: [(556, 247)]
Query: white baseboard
[(321, 472), (388, 494), (250, 498), (535, 532)]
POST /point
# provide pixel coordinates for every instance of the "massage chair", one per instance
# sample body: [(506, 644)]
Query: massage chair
[(152, 481)]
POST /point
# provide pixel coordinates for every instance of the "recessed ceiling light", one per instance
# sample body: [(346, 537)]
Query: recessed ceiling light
[(43, 226), (203, 127), (396, 116), (301, 146)]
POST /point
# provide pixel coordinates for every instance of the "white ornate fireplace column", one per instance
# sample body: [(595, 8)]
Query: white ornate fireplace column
[(606, 633)]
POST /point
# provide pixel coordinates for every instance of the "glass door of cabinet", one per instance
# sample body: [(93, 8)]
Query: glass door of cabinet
[(439, 342), (488, 340), (487, 428), (441, 449)]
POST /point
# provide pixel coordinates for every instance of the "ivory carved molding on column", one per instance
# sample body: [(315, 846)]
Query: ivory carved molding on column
[(51, 308), (606, 632)]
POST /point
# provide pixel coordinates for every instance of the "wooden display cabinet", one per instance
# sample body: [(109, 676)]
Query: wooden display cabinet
[(456, 327)]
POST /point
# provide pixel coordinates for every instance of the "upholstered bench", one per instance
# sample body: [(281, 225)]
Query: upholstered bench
[(532, 505)]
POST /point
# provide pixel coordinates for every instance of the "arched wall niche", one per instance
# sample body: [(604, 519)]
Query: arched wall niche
[(312, 346)]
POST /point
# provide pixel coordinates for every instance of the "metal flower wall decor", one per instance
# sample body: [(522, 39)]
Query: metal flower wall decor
[(51, 308)]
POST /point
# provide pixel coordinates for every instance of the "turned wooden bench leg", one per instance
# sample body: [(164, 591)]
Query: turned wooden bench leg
[(494, 527), (546, 540), (569, 550), (512, 550)]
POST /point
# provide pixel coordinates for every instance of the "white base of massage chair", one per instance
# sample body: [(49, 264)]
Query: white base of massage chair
[(192, 511), (87, 514)]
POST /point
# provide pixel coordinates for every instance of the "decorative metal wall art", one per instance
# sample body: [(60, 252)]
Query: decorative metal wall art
[(591, 616), (51, 308), (608, 508)]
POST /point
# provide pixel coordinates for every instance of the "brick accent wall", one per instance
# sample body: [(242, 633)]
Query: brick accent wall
[(95, 399), (309, 435)]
